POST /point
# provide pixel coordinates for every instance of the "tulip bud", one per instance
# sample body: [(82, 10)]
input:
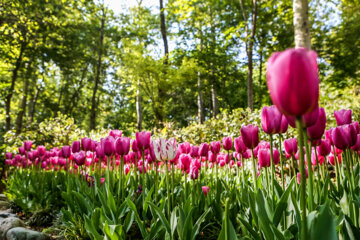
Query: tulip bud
[(27, 145), (293, 82), (205, 190), (86, 144), (328, 135), (22, 150), (324, 148), (66, 151), (264, 157), (239, 145), (227, 143), (344, 136), (143, 140), (290, 146), (356, 147), (41, 150), (250, 136), (284, 124), (194, 172), (271, 119), (194, 152), (75, 147), (107, 144), (122, 145), (316, 131), (184, 148), (204, 149), (79, 158), (343, 117), (215, 147)]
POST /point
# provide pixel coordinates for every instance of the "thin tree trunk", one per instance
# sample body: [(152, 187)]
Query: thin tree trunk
[(200, 103), (76, 94), (12, 86), (261, 66), (138, 107), (33, 104), (301, 24), (20, 115), (163, 32), (97, 77), (212, 71)]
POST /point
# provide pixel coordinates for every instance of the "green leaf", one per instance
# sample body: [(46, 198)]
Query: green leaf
[(161, 215), (282, 205), (137, 218)]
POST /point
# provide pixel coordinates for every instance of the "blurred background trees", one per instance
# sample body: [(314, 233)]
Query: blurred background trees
[(142, 68)]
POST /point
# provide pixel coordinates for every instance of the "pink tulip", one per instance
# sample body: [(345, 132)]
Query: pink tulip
[(239, 145), (343, 117), (22, 150), (284, 124), (271, 119), (143, 140), (8, 155), (328, 135), (75, 147), (122, 145), (293, 81), (184, 148), (115, 133), (194, 172), (316, 131), (290, 146), (356, 147), (41, 150), (344, 136), (203, 149), (324, 148), (27, 145), (79, 158), (211, 157), (102, 180), (227, 143), (298, 177), (66, 151), (185, 161), (205, 189), (194, 152), (250, 136), (332, 159), (86, 144), (107, 145), (215, 147), (264, 157)]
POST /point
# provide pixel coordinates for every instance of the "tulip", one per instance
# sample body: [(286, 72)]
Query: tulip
[(27, 145), (343, 117), (134, 146), (107, 145), (276, 156), (99, 152), (143, 140), (215, 147), (203, 149), (66, 151), (290, 146), (357, 126), (284, 124), (22, 150), (239, 145), (316, 131), (293, 82), (194, 152), (205, 190), (211, 157), (79, 158), (227, 143), (332, 159), (250, 136), (324, 148), (271, 119), (41, 150), (122, 145), (194, 172), (86, 144), (165, 150), (356, 147), (75, 147), (115, 133), (185, 161), (328, 135), (344, 136), (8, 155), (264, 157)]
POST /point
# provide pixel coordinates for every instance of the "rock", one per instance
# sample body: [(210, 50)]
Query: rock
[(8, 223), (4, 205), (6, 214), (20, 233), (3, 198)]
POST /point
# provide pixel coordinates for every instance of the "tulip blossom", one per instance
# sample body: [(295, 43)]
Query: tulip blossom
[(298, 176), (41, 150), (86, 144), (115, 133), (22, 150), (203, 149), (356, 147), (143, 140), (284, 124), (205, 189), (290, 146), (79, 158), (227, 143), (75, 147), (324, 148), (344, 136), (264, 157), (271, 119), (250, 136), (185, 161), (122, 145), (215, 147), (194, 172), (316, 131), (239, 145), (194, 152), (66, 151), (8, 155), (332, 159), (27, 145), (107, 144), (165, 150), (343, 117), (293, 82)]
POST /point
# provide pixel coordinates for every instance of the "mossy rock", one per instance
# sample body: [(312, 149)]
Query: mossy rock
[(42, 218)]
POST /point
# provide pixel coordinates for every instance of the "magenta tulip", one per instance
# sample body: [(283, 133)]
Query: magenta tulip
[(99, 152), (284, 124), (203, 149), (324, 148), (205, 190), (328, 135), (344, 136), (86, 144), (271, 119), (184, 148), (8, 155), (316, 131), (79, 158), (122, 145), (143, 140), (27, 145), (227, 143), (239, 145), (293, 82), (194, 152), (250, 136), (66, 151), (75, 147), (115, 133), (194, 172), (343, 117), (22, 150), (290, 146), (41, 150), (356, 147), (107, 145), (264, 157), (215, 147), (185, 161), (276, 156)]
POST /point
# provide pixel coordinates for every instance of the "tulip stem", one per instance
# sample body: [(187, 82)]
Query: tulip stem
[(156, 179), (303, 232), (272, 175), (254, 170), (172, 184), (281, 162), (121, 176), (167, 187), (143, 177), (309, 168)]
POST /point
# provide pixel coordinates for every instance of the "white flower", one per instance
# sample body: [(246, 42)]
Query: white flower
[(165, 150)]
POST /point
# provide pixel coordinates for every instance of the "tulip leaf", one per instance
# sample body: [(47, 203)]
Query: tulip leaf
[(282, 205), (161, 215), (137, 218), (263, 215), (250, 229)]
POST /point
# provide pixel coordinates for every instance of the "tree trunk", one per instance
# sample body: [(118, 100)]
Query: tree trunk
[(20, 115), (12, 86), (212, 71), (301, 24), (33, 104), (76, 95), (163, 32), (138, 107), (260, 67), (97, 77), (200, 103)]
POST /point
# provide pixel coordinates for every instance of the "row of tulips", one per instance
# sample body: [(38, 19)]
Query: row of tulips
[(144, 164)]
